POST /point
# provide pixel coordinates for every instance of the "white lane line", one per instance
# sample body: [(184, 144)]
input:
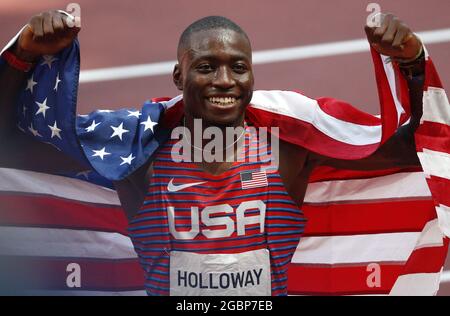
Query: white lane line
[(259, 57), (445, 277)]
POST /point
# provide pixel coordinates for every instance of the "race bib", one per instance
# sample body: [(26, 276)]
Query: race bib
[(239, 274)]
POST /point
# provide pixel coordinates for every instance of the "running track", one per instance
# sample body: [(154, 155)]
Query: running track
[(123, 33)]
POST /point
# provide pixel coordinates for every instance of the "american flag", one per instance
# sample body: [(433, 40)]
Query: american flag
[(253, 179), (402, 229)]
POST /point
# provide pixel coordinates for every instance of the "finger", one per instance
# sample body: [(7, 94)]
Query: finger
[(389, 35), (369, 32), (70, 24), (57, 21), (47, 24), (36, 26), (408, 37), (400, 37), (380, 31)]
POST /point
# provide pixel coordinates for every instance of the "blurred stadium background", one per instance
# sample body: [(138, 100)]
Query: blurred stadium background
[(120, 34)]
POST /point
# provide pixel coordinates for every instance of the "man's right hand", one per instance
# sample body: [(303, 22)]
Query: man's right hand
[(46, 34)]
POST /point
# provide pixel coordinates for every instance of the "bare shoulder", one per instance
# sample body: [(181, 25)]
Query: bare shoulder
[(295, 166)]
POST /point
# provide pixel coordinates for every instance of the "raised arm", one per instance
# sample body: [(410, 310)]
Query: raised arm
[(45, 34), (395, 39)]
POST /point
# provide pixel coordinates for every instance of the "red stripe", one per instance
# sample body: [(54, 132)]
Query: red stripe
[(326, 173), (51, 273), (346, 112), (22, 210), (433, 136), (439, 187), (427, 260), (339, 280), (388, 111), (368, 218), (431, 76)]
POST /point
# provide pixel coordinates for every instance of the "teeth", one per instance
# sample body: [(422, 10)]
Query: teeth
[(222, 101)]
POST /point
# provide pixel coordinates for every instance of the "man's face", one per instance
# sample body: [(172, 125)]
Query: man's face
[(216, 76)]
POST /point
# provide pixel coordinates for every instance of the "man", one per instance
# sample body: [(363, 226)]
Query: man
[(224, 255)]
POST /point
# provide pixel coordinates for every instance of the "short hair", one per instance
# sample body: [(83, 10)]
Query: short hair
[(208, 23)]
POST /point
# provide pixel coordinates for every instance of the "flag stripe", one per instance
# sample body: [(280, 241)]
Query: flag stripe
[(53, 242), (430, 133), (53, 273), (339, 280), (353, 249), (368, 218), (22, 181), (436, 163), (44, 211), (419, 284), (436, 106), (393, 186)]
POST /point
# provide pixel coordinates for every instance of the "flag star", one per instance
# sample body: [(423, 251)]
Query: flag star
[(134, 113), (30, 84), (100, 153), (93, 126), (33, 131), (57, 82), (42, 107), (127, 160), (149, 124), (84, 174), (118, 131), (48, 60), (55, 130)]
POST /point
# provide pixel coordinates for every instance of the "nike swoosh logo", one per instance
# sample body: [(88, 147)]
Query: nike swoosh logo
[(175, 188)]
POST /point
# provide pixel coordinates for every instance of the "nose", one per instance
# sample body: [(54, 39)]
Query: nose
[(224, 78)]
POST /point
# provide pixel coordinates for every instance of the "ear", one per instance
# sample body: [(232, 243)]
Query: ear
[(177, 78)]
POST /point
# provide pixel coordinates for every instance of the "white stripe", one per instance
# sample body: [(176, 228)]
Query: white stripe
[(392, 247), (431, 236), (14, 180), (445, 277), (435, 163), (400, 185), (259, 57), (300, 107), (443, 213), (390, 74), (83, 293), (51, 242), (436, 107), (418, 284)]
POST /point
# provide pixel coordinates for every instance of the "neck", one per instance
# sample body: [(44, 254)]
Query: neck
[(215, 143)]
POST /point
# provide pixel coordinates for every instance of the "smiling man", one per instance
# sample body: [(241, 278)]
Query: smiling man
[(223, 227)]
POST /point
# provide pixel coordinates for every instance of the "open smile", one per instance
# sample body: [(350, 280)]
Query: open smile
[(223, 102)]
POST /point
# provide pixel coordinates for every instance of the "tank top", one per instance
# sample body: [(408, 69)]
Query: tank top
[(228, 234)]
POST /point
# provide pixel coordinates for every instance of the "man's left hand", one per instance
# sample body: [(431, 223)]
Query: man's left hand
[(393, 38)]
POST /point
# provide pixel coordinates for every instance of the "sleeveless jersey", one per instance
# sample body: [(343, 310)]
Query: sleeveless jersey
[(229, 234)]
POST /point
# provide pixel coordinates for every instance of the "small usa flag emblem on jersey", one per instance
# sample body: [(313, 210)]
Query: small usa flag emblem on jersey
[(253, 179)]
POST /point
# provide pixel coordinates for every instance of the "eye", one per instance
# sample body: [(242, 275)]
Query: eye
[(240, 68), (204, 68)]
